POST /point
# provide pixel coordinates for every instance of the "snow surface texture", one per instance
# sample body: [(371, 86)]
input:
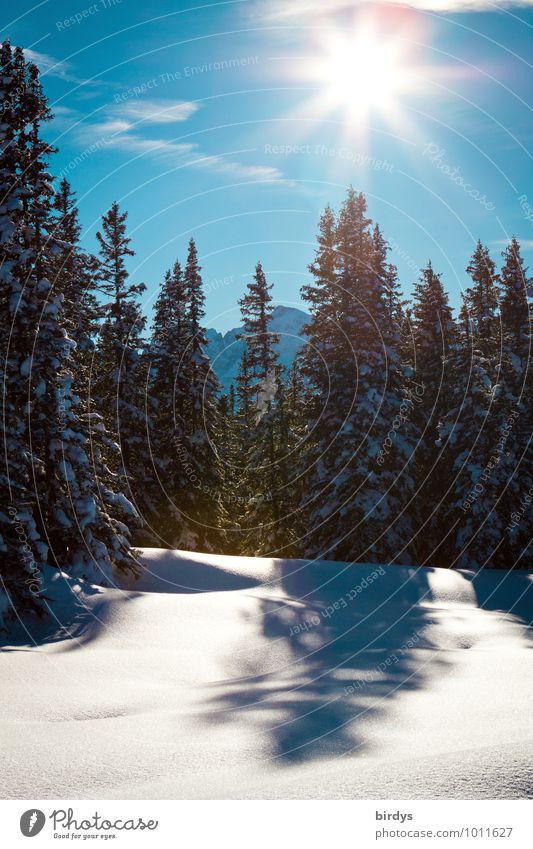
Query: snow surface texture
[(233, 677)]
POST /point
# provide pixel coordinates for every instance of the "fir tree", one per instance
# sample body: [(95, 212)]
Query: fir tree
[(481, 303), (120, 375), (472, 513), (24, 551), (196, 472), (168, 388), (359, 485), (75, 277), (514, 393), (516, 292), (55, 516), (469, 520), (259, 382), (256, 312), (322, 296), (388, 275), (434, 335)]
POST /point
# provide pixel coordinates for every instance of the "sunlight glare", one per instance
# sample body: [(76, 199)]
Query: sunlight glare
[(362, 73)]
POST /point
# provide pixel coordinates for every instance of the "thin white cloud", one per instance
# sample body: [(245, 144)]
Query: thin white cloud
[(110, 127), (158, 111), (525, 244), (282, 9), (63, 111), (118, 133), (157, 147), (49, 65), (222, 165), (190, 156)]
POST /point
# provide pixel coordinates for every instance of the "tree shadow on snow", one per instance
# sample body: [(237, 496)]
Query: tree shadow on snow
[(71, 620), (509, 592), (345, 648), (182, 574)]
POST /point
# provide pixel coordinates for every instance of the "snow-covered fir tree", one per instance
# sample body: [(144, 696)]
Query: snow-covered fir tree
[(119, 385), (434, 338), (358, 470), (256, 311), (165, 354), (75, 274), (54, 514), (515, 404), (481, 303), (262, 454), (195, 472), (24, 551), (77, 277), (388, 274), (471, 515)]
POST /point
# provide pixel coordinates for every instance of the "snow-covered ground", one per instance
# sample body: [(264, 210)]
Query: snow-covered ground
[(227, 677)]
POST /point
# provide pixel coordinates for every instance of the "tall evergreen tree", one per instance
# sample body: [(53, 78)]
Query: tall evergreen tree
[(169, 389), (202, 381), (516, 292), (55, 514), (515, 404), (24, 551), (359, 489), (75, 274), (322, 297), (256, 312), (195, 471), (264, 411), (472, 516), (388, 274), (435, 336), (119, 384), (481, 303)]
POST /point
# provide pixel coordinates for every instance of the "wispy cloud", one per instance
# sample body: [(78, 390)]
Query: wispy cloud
[(52, 67), (281, 9), (108, 127), (162, 148), (158, 111), (191, 156), (47, 64), (221, 165), (119, 130), (525, 244)]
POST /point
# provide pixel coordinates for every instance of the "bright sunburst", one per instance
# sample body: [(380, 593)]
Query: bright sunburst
[(361, 73)]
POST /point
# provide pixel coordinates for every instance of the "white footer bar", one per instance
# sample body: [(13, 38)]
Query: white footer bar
[(267, 824)]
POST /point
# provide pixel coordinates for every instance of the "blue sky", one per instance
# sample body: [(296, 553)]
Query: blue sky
[(219, 120)]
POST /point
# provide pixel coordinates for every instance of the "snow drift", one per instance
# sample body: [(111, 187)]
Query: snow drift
[(228, 677)]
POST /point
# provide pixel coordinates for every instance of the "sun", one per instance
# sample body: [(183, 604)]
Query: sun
[(360, 73), (362, 78)]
